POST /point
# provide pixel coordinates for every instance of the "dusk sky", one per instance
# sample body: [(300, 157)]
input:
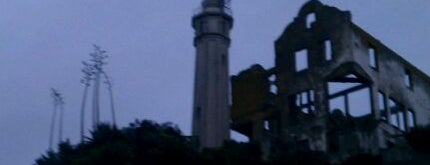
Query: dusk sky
[(151, 56)]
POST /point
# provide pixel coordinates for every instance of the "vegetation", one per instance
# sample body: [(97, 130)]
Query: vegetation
[(147, 142), (142, 142)]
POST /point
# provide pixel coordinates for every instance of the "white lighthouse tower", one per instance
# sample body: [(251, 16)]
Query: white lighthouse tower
[(211, 113)]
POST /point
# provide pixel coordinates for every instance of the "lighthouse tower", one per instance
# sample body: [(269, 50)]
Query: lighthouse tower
[(212, 23)]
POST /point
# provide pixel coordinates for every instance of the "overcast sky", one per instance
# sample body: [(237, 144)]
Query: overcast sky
[(151, 56)]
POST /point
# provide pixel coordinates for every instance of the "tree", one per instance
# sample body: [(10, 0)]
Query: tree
[(94, 72), (58, 102), (86, 81), (98, 61), (108, 82), (54, 94)]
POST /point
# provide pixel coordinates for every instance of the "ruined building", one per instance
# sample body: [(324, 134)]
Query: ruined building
[(211, 113), (334, 88)]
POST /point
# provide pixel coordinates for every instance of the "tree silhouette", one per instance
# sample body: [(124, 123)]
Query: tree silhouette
[(88, 72), (61, 103), (58, 102), (54, 94), (97, 59), (108, 82), (147, 142), (93, 71)]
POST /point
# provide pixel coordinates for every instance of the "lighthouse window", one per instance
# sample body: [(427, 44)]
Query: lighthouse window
[(223, 27), (223, 59), (203, 26)]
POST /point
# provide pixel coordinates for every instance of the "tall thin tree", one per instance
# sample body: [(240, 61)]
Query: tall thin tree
[(98, 57), (60, 102), (86, 81), (108, 82), (54, 94)]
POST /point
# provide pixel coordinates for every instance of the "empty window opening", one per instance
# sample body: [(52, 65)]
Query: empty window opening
[(335, 87), (351, 76), (394, 120), (312, 97), (401, 121), (408, 79), (304, 97), (266, 125), (310, 19), (352, 98), (411, 118), (373, 60), (392, 105), (337, 103), (273, 89), (301, 60), (381, 104), (359, 104), (238, 136), (272, 78), (304, 101), (397, 116), (328, 50)]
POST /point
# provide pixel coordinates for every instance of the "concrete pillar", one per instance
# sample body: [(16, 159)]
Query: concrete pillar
[(257, 131), (374, 102), (406, 119), (387, 108)]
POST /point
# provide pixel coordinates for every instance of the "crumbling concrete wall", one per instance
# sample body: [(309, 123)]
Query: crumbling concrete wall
[(335, 48), (391, 76), (252, 102), (322, 46)]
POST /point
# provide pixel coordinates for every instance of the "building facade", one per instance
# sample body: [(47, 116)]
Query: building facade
[(334, 88)]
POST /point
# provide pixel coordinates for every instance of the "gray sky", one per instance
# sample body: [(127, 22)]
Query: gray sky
[(43, 42)]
